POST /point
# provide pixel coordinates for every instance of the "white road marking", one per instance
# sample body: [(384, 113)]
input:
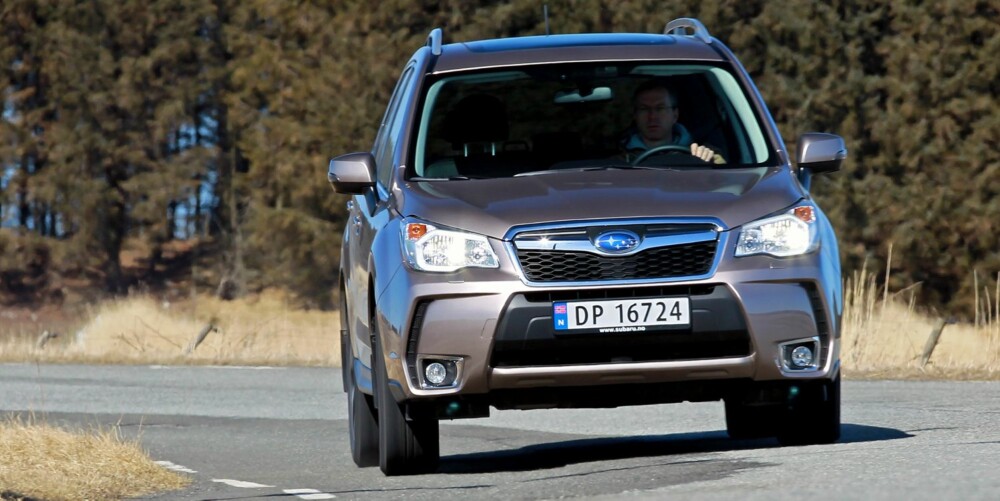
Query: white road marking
[(309, 494), (300, 493), (240, 483), (175, 467)]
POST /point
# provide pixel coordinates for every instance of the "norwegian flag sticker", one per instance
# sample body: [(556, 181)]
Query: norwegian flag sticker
[(560, 322)]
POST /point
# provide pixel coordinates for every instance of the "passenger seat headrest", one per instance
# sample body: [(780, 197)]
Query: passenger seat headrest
[(477, 118)]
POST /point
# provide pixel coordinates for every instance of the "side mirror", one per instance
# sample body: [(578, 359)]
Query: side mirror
[(818, 152), (352, 173)]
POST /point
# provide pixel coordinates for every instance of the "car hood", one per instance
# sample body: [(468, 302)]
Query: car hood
[(493, 206)]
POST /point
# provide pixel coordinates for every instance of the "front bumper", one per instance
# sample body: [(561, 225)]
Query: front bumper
[(502, 331)]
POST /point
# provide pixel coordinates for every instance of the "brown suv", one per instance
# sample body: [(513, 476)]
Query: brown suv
[(534, 229)]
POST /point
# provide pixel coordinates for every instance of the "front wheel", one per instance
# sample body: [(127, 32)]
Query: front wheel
[(813, 416), (747, 421), (405, 446), (362, 423)]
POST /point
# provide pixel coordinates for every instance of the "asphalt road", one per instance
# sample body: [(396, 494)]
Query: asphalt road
[(281, 433)]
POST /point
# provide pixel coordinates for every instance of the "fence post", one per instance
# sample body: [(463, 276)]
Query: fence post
[(45, 338), (932, 341), (209, 327)]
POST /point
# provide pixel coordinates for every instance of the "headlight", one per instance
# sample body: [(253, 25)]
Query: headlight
[(789, 234), (428, 248)]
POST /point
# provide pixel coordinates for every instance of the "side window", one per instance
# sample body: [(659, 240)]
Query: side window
[(385, 144)]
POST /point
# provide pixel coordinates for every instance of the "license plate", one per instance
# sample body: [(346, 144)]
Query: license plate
[(623, 315)]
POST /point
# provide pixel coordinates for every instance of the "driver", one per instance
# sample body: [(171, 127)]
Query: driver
[(654, 111)]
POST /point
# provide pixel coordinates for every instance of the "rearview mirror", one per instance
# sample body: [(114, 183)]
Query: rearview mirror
[(352, 173), (583, 96)]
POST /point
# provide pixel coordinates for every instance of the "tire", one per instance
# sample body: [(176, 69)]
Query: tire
[(813, 416), (745, 421), (405, 447), (361, 416)]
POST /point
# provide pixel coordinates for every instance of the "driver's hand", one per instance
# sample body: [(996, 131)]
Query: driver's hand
[(703, 152)]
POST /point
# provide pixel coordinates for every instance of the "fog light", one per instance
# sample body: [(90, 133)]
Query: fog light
[(802, 356), (439, 372), (435, 373)]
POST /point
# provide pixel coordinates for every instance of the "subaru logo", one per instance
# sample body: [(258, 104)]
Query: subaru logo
[(617, 241)]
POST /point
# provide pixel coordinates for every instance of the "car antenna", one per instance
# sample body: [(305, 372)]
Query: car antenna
[(545, 14)]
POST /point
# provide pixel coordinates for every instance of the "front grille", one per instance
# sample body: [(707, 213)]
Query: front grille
[(662, 262)]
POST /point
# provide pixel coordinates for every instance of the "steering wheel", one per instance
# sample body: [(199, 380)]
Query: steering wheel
[(665, 149)]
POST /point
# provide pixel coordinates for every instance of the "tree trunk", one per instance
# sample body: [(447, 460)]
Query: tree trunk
[(23, 207)]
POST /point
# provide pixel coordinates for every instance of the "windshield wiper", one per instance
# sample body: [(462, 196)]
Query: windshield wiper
[(449, 178), (587, 169)]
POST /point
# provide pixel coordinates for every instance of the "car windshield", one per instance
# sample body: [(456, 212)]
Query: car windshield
[(536, 120)]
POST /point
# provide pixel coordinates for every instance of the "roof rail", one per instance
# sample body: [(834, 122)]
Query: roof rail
[(434, 41), (679, 27)]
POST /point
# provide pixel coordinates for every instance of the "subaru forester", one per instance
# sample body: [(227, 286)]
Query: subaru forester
[(503, 250)]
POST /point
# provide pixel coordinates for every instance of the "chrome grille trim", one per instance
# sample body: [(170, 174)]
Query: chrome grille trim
[(585, 245), (572, 236)]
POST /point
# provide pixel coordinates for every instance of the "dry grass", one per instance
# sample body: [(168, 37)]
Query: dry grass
[(39, 461), (885, 336), (262, 330)]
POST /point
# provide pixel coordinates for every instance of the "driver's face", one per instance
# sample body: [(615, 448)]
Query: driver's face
[(654, 116)]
